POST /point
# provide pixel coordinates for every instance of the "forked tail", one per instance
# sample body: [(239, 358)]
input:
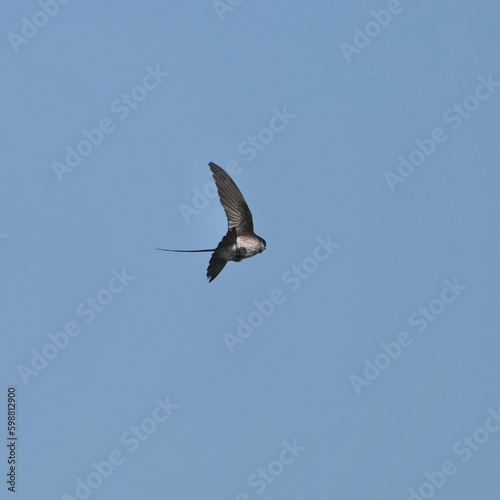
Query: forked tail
[(187, 251)]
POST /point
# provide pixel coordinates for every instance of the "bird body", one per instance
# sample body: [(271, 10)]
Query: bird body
[(240, 242)]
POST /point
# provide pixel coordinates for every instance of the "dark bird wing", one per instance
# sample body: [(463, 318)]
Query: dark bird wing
[(216, 264), (237, 212)]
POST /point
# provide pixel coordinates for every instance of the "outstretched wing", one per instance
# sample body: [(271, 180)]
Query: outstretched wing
[(237, 212)]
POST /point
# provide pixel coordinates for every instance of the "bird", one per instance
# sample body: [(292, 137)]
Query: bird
[(240, 241)]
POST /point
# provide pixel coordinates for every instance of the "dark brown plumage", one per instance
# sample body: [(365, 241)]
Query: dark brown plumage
[(240, 242)]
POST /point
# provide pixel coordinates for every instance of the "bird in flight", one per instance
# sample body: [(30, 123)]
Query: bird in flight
[(240, 242)]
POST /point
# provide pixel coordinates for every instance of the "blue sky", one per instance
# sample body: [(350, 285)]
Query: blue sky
[(357, 357)]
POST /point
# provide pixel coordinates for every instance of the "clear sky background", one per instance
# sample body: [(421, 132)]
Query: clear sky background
[(358, 356)]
